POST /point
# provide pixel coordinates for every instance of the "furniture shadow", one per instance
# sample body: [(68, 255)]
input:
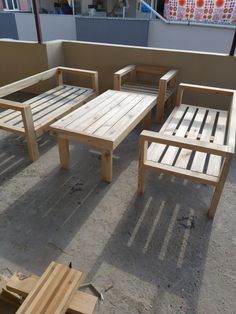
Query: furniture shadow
[(14, 153), (162, 240), (38, 226)]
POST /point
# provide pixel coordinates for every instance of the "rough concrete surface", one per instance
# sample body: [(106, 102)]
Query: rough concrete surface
[(160, 251)]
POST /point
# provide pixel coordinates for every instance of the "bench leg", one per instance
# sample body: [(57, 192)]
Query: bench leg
[(147, 121), (30, 134), (219, 188), (107, 165), (63, 146)]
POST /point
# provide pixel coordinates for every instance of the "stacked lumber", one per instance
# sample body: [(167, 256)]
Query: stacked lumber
[(55, 292)]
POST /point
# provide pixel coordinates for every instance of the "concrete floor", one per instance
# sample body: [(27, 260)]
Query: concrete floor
[(160, 251)]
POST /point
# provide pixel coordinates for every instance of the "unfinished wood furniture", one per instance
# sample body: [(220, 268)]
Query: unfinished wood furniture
[(151, 80), (195, 143), (56, 291), (104, 122), (32, 117)]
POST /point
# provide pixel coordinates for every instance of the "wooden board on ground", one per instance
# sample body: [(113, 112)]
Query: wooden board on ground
[(81, 303)]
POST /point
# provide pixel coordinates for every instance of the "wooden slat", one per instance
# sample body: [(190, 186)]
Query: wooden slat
[(11, 114), (102, 125), (81, 303), (171, 152), (89, 117), (49, 106), (155, 150), (53, 293), (10, 128), (199, 157), (185, 154), (96, 102), (214, 163), (182, 173), (35, 104), (63, 110), (125, 125)]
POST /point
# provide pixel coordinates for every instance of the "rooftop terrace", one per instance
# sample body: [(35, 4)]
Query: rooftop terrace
[(160, 251)]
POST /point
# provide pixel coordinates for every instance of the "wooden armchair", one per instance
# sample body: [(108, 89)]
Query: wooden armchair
[(152, 80), (195, 143), (33, 117)]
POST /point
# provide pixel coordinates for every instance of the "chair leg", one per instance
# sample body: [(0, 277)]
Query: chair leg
[(141, 173), (219, 187)]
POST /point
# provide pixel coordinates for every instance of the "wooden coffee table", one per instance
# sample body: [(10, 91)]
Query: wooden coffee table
[(104, 122)]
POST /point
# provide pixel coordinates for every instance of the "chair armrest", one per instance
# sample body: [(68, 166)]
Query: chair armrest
[(169, 75), (92, 74), (125, 70), (13, 105), (120, 74), (196, 145)]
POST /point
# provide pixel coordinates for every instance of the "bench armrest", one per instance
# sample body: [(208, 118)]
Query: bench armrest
[(201, 89), (26, 82), (92, 74), (196, 145), (13, 105), (120, 74)]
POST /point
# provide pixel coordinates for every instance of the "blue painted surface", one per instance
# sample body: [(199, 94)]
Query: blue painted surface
[(8, 28), (114, 31)]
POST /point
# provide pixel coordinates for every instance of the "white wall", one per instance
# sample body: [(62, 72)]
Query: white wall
[(53, 26), (194, 38)]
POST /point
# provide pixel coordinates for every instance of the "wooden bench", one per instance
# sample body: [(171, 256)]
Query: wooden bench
[(195, 143), (104, 122), (151, 80), (33, 117)]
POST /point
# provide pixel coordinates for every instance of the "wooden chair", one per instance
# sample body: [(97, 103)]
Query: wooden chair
[(33, 117), (151, 80), (195, 143)]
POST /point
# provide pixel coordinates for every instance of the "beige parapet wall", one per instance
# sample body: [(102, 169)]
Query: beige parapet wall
[(21, 59), (196, 68)]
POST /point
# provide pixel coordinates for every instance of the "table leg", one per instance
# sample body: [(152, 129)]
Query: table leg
[(147, 121), (107, 165), (63, 146)]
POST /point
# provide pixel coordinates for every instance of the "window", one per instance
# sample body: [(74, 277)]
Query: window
[(11, 5)]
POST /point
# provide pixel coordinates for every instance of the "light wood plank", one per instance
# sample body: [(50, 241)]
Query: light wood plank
[(214, 164), (102, 125), (171, 152), (54, 293), (155, 150), (63, 110), (123, 127), (31, 80), (96, 102), (81, 303), (182, 173), (193, 133), (199, 157), (46, 103), (90, 117)]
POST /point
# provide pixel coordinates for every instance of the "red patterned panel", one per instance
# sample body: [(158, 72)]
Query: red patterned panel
[(210, 11)]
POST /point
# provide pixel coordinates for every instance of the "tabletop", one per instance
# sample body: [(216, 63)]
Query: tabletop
[(110, 116)]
